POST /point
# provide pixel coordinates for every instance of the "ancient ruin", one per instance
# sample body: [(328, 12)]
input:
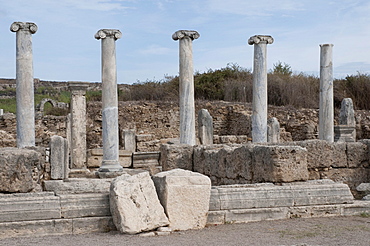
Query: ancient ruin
[(142, 167)]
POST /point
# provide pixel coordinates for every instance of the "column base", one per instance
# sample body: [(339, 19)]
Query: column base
[(110, 166)]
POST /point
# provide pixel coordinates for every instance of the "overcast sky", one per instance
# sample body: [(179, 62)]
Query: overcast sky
[(64, 47)]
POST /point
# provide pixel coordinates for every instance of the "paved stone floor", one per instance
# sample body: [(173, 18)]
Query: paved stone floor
[(352, 230)]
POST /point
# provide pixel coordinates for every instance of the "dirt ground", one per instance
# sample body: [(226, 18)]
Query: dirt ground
[(352, 230)]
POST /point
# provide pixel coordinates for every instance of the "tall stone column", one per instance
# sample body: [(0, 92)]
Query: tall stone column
[(186, 90), (326, 111), (259, 105), (78, 124), (24, 80), (110, 161)]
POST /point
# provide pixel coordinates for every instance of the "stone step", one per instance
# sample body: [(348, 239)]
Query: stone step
[(29, 206), (268, 195), (84, 205), (56, 227), (78, 186)]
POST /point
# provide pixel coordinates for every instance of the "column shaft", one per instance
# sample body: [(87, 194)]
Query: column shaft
[(186, 90), (110, 161), (24, 82), (326, 111), (78, 124), (187, 105), (259, 104)]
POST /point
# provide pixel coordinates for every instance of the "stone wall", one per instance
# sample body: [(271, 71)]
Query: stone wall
[(283, 163), (157, 122)]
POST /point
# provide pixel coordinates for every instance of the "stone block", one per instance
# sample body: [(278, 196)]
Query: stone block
[(216, 217), (364, 188), (84, 205), (205, 127), (144, 137), (145, 159), (95, 158), (19, 169), (57, 155), (29, 206), (339, 154), (356, 208), (351, 176), (357, 155), (279, 164), (176, 156), (319, 153), (35, 228), (185, 196), (93, 224), (129, 140), (134, 204), (315, 211), (257, 214), (78, 185), (224, 163)]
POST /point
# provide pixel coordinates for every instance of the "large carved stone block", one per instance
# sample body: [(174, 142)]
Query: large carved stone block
[(134, 204), (279, 164), (185, 197), (19, 169), (176, 156), (357, 154), (319, 153)]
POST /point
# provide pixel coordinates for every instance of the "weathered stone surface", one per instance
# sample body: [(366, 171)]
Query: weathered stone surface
[(205, 127), (224, 164), (95, 158), (57, 154), (19, 169), (36, 228), (364, 187), (129, 140), (84, 205), (185, 197), (176, 156), (279, 164), (248, 215), (319, 153), (323, 192), (273, 130), (77, 186), (134, 204), (357, 154), (93, 224), (29, 206), (339, 155)]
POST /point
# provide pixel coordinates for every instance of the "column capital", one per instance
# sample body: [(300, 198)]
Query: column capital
[(77, 87), (256, 39), (323, 45), (185, 33), (26, 26), (103, 33)]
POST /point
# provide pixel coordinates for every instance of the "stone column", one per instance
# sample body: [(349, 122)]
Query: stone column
[(24, 80), (205, 127), (186, 90), (273, 130), (326, 111), (110, 161), (78, 124), (259, 105)]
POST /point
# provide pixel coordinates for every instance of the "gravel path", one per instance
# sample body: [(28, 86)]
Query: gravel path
[(352, 230)]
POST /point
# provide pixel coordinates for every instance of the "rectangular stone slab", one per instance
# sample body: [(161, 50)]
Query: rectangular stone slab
[(29, 206), (268, 195), (84, 205)]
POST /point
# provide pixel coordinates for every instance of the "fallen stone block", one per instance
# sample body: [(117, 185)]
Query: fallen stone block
[(185, 197), (134, 204), (18, 168)]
